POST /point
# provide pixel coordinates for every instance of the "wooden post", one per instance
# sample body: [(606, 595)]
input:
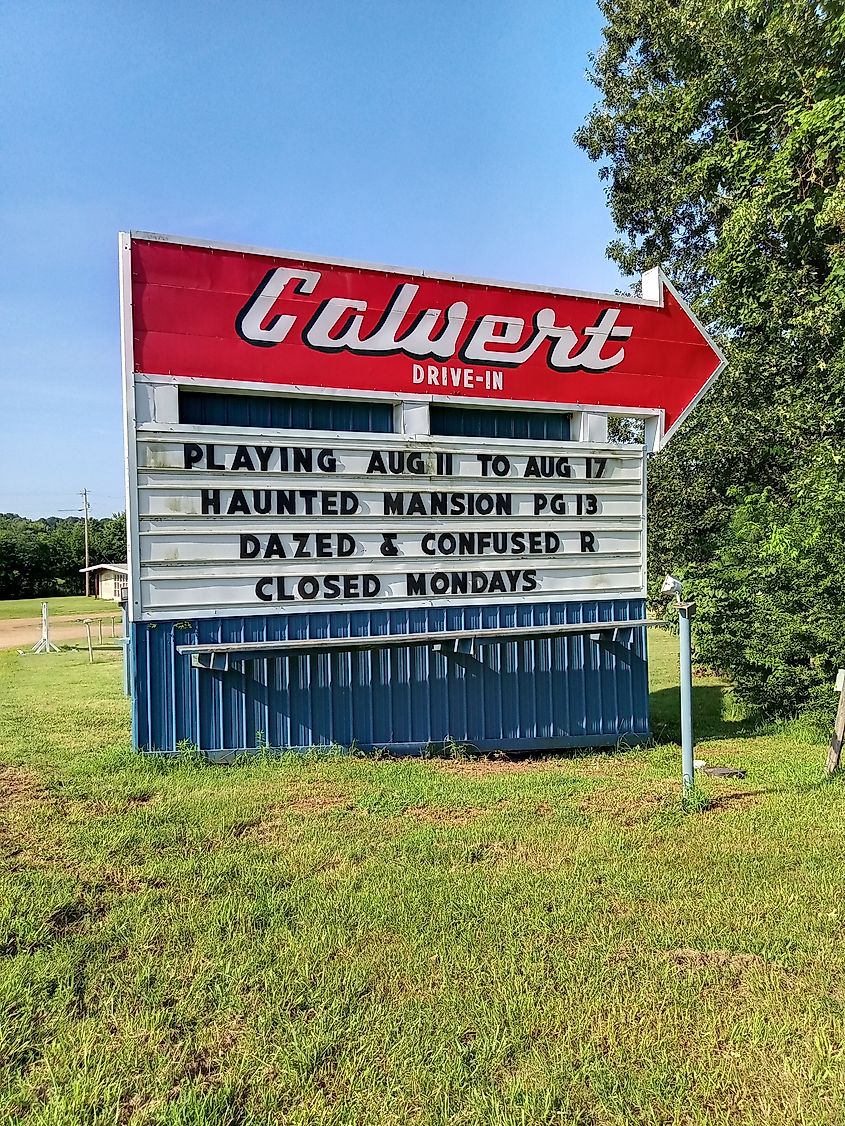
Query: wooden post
[(88, 631), (835, 749)]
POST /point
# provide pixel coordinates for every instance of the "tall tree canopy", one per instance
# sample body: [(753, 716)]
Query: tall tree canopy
[(721, 134)]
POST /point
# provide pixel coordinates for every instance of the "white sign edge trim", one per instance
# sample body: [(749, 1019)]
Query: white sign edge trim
[(655, 279), (301, 391), (272, 609), (348, 263), (130, 453)]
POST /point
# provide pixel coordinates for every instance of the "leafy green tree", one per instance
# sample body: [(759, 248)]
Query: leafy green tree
[(108, 539), (44, 557), (771, 606), (720, 133)]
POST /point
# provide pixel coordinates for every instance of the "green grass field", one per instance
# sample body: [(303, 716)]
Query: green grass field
[(74, 604), (338, 941)]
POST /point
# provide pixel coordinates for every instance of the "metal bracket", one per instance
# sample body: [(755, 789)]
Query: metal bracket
[(213, 661), (465, 645), (623, 635), (458, 643)]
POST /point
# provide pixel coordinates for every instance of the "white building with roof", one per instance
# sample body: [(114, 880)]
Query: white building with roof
[(110, 580)]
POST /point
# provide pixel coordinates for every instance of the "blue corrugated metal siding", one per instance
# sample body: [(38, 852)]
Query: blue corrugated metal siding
[(216, 408), (550, 693), (469, 422)]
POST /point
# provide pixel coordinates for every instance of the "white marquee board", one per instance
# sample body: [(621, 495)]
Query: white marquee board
[(257, 522)]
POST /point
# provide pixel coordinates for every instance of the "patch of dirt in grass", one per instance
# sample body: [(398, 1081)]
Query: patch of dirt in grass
[(505, 853), (74, 917), (131, 1106), (738, 799), (192, 1067), (200, 1068), (110, 807), (319, 797), (142, 799), (20, 787), (318, 803), (335, 867), (530, 807), (129, 880), (627, 808), (734, 962), (32, 836), (733, 967), (21, 792), (611, 765), (318, 800), (482, 768), (448, 818)]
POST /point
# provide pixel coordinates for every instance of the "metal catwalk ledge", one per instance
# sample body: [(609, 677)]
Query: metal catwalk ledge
[(220, 657)]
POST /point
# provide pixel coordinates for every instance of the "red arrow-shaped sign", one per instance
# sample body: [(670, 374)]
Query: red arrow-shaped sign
[(213, 312)]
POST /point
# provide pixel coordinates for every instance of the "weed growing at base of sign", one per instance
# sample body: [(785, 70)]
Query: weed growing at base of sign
[(340, 940), (695, 800)]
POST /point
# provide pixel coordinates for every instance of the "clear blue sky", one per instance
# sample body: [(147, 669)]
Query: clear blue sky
[(428, 133)]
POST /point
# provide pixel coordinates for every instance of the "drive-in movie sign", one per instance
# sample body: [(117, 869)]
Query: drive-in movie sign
[(380, 507)]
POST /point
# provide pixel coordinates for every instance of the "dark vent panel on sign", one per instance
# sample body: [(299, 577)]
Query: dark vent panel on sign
[(268, 412), (465, 422)]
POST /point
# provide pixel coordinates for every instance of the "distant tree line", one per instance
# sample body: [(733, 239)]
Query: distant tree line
[(44, 557)]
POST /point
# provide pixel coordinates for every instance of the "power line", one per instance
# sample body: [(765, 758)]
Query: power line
[(84, 495), (84, 511)]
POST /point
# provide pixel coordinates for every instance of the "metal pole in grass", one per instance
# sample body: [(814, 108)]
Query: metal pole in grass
[(686, 612), (127, 655), (834, 752)]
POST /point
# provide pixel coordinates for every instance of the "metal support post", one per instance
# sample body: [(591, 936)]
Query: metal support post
[(45, 645), (686, 611), (127, 656)]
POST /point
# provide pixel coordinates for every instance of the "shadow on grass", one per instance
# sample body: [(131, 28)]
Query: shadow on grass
[(709, 720)]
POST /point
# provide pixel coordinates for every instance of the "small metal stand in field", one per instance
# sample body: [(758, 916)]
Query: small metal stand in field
[(45, 645), (686, 612), (835, 750), (87, 624)]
